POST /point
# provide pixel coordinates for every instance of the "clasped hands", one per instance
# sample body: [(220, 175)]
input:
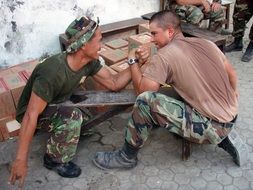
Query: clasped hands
[(142, 53)]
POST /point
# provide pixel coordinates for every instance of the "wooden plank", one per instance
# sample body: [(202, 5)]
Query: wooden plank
[(103, 116), (102, 98), (117, 27), (192, 30), (186, 149)]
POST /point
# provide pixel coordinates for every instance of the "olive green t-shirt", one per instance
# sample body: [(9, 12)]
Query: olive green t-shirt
[(54, 81)]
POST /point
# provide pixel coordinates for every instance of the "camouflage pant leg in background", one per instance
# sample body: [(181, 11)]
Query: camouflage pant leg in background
[(242, 14), (153, 108), (194, 15), (64, 125)]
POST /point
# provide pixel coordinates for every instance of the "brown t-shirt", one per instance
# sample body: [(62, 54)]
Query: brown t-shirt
[(195, 68)]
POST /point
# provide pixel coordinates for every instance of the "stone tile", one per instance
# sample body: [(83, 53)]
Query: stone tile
[(209, 175), (241, 183), (213, 185), (166, 174), (182, 179), (198, 183), (150, 171), (230, 187), (169, 185), (224, 179), (138, 179), (249, 175), (154, 182), (234, 171), (185, 187), (178, 168)]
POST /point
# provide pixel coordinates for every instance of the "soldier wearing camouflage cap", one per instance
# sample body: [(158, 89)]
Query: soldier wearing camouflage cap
[(243, 12), (52, 82)]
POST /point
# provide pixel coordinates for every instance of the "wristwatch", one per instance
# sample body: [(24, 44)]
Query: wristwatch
[(132, 61)]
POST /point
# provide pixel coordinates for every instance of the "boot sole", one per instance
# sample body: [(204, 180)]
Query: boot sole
[(246, 59), (241, 148), (106, 169), (63, 175)]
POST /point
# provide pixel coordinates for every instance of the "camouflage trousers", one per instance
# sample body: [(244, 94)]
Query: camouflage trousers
[(64, 125), (194, 15), (155, 109), (243, 12)]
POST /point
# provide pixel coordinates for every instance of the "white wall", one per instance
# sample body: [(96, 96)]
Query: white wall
[(29, 29)]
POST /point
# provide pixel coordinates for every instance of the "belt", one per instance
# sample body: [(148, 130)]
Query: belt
[(225, 125)]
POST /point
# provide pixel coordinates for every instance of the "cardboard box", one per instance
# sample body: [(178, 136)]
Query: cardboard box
[(5, 72), (143, 39), (6, 102), (15, 84), (117, 43), (13, 128), (113, 56), (104, 48), (143, 28), (25, 69), (3, 129), (120, 66)]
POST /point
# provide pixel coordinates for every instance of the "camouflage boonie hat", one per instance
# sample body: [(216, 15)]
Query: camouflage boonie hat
[(79, 32)]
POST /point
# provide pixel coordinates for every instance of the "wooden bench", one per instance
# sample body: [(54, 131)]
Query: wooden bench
[(119, 101)]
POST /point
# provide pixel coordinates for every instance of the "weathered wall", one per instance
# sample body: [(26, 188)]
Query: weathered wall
[(29, 28)]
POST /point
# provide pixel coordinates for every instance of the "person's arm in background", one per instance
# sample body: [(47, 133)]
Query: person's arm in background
[(231, 75), (216, 5), (19, 167), (204, 3)]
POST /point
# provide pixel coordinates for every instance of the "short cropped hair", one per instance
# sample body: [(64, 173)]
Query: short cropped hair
[(166, 18)]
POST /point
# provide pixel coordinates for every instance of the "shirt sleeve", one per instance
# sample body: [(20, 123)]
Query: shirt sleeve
[(158, 70), (95, 67), (43, 89)]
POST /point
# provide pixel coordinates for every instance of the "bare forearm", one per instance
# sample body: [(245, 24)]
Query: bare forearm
[(25, 137), (121, 79), (136, 77)]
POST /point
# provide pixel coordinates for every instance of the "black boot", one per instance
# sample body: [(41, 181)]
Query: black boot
[(247, 56), (123, 158), (235, 46), (68, 169)]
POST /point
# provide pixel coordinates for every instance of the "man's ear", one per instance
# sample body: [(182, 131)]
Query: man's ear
[(171, 31), (83, 47)]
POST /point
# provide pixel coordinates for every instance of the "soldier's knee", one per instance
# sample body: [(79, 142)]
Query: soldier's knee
[(74, 114), (145, 96), (195, 16)]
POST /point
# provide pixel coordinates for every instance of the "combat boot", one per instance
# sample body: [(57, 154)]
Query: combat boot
[(68, 169), (234, 145), (124, 158), (235, 46), (247, 56)]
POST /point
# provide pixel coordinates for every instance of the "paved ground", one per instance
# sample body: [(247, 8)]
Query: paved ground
[(160, 165)]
